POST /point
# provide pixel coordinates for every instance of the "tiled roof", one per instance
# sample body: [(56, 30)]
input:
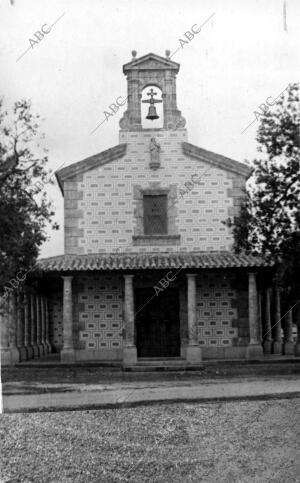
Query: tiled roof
[(135, 261)]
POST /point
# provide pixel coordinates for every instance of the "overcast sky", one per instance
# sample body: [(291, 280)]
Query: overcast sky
[(243, 54)]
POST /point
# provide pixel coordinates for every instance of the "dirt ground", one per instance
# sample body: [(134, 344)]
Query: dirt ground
[(91, 375), (249, 441)]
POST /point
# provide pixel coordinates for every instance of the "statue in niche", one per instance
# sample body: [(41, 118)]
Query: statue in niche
[(154, 154)]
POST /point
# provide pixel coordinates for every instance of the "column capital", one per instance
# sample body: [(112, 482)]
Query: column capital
[(191, 275), (128, 276), (67, 277), (252, 273)]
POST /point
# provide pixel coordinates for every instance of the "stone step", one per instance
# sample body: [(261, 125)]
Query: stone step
[(161, 361), (162, 368)]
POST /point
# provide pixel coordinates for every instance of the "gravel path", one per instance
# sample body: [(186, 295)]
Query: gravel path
[(253, 441), (89, 396)]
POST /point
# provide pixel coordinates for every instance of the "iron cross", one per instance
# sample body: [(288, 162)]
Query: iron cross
[(152, 94)]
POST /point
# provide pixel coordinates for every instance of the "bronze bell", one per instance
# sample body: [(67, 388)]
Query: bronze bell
[(152, 114)]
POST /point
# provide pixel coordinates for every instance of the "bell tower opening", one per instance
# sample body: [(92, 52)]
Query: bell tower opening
[(151, 94), (152, 109)]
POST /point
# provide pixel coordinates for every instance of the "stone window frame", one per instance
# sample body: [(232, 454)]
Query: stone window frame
[(172, 237)]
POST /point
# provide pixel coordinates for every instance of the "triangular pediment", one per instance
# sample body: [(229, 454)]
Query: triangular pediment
[(151, 62), (92, 162), (215, 159)]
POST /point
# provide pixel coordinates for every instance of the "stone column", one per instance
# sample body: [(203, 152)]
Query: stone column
[(68, 352), (288, 344), (33, 338), (27, 328), (254, 349), (4, 334), (47, 335), (267, 334), (20, 328), (277, 339), (43, 325), (297, 322), (14, 353), (183, 320), (129, 347), (193, 350), (39, 325)]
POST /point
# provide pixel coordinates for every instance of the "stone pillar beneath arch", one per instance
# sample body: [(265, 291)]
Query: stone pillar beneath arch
[(277, 338), (254, 349), (68, 352), (129, 347), (297, 322), (12, 315), (288, 344), (27, 326), (4, 335), (267, 333), (21, 328), (47, 336), (33, 331), (193, 350), (43, 325), (39, 325)]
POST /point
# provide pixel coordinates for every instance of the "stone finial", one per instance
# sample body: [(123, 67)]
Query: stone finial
[(168, 52), (134, 54)]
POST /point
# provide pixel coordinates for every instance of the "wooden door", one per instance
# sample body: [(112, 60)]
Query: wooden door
[(157, 323)]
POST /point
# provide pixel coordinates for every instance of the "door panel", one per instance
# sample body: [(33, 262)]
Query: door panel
[(157, 323)]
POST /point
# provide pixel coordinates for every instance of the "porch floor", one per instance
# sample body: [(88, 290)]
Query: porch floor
[(53, 360)]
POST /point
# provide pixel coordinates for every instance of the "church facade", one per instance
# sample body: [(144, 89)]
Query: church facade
[(148, 272)]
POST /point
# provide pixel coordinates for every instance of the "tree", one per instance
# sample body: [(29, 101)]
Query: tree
[(269, 220), (24, 209)]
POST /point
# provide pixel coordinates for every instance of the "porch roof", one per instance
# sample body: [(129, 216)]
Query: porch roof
[(135, 261)]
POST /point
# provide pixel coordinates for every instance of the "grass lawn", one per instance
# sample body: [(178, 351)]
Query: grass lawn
[(254, 441)]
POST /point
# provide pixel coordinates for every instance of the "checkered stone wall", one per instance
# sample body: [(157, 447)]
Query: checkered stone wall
[(55, 300), (101, 214), (215, 311), (100, 306)]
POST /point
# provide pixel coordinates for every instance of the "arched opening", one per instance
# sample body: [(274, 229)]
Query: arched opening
[(154, 103)]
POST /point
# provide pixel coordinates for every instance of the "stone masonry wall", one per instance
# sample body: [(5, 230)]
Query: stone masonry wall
[(100, 311), (215, 310), (100, 209), (56, 319)]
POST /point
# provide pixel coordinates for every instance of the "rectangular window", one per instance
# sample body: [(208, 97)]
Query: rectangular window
[(155, 214)]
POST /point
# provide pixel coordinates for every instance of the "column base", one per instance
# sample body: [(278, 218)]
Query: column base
[(23, 353), (129, 355), (41, 350), (267, 345), (288, 348), (277, 347), (254, 352), (49, 347), (193, 354), (29, 350), (45, 348), (67, 355), (14, 355), (297, 349), (5, 357), (35, 351)]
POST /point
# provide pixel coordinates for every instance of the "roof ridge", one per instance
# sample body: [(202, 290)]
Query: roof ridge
[(228, 164), (89, 163)]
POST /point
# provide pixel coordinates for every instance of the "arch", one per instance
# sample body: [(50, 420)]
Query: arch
[(156, 123)]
